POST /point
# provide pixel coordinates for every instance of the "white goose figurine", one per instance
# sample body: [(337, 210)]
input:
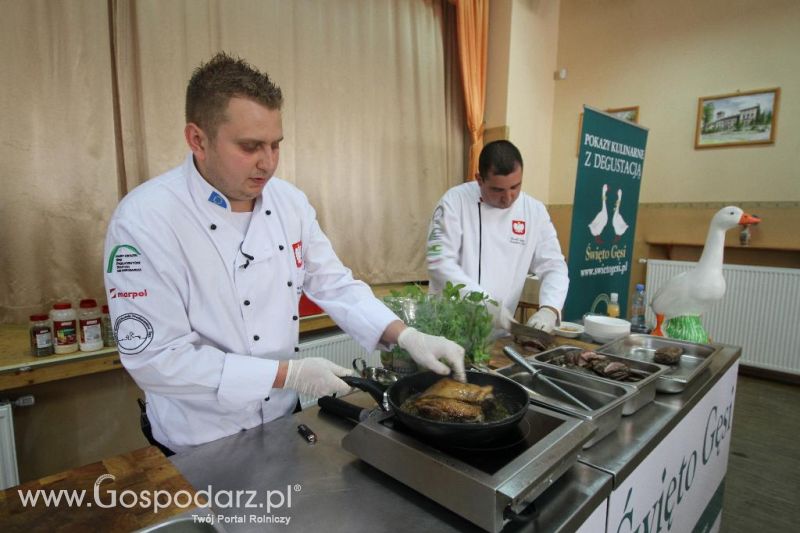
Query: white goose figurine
[(620, 226), (600, 220), (682, 299)]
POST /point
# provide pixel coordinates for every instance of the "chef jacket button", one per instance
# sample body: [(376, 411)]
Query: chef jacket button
[(280, 247), (266, 399), (289, 283), (268, 212), (294, 317), (213, 226), (256, 337), (247, 302), (296, 349)]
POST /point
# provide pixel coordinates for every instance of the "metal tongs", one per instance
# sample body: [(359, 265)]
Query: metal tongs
[(536, 373)]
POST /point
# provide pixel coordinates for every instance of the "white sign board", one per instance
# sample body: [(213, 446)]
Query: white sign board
[(596, 521), (679, 486)]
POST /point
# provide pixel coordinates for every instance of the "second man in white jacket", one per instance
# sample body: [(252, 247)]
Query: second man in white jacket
[(489, 235)]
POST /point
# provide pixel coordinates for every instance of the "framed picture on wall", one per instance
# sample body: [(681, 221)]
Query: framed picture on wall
[(630, 114), (737, 119)]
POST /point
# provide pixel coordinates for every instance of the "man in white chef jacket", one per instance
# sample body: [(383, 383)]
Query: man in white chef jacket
[(489, 235), (205, 265)]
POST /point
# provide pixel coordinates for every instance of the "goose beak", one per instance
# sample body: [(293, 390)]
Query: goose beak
[(748, 219)]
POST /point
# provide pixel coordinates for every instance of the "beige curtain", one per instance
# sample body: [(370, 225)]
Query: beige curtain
[(372, 132), (473, 44), (57, 153)]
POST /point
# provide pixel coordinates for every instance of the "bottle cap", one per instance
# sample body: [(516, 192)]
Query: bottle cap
[(88, 303), (640, 286), (38, 318), (62, 305), (614, 297), (105, 309)]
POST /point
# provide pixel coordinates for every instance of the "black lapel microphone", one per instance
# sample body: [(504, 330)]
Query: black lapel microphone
[(247, 256)]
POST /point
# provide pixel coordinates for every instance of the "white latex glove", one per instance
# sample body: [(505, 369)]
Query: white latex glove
[(316, 376), (427, 350), (501, 317), (543, 319)]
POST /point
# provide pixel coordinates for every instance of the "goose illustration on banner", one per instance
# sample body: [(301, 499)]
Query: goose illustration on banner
[(597, 225), (683, 299), (620, 226)]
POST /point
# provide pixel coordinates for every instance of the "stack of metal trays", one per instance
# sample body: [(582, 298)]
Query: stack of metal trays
[(693, 361), (605, 399), (644, 375)]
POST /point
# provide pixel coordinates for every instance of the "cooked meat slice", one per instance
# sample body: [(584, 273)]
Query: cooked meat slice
[(455, 390), (616, 370), (445, 409), (531, 343), (668, 355), (589, 357)]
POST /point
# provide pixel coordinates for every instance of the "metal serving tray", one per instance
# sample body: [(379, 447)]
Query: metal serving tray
[(606, 399), (645, 385), (639, 347)]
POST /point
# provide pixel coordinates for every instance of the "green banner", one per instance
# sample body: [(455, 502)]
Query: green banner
[(604, 211), (712, 511)]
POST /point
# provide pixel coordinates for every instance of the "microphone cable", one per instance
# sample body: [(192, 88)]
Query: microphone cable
[(246, 255), (480, 240)]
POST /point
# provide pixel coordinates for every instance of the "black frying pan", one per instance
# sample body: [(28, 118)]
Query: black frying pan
[(513, 397)]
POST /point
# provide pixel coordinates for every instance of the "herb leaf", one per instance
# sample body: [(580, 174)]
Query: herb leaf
[(463, 319)]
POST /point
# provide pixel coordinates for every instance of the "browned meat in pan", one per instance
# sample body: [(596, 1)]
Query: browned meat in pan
[(455, 390), (450, 410)]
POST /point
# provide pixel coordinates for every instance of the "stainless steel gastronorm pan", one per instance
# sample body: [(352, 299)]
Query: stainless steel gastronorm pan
[(638, 347), (605, 399), (645, 385)]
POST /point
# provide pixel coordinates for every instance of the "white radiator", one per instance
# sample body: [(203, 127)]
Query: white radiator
[(760, 311), (339, 348), (9, 476)]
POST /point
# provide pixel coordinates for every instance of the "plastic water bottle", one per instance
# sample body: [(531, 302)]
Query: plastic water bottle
[(638, 308), (613, 306)]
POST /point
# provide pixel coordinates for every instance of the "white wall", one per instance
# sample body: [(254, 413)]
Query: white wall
[(662, 55), (520, 87)]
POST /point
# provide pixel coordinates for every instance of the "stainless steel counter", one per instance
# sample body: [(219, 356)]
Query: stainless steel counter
[(323, 486), (332, 490), (622, 451)]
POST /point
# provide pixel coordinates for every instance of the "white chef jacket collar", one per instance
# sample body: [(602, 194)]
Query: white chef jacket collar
[(205, 196), (257, 243)]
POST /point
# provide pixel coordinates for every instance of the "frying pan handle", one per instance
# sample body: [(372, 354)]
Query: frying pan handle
[(360, 366), (342, 408), (374, 388)]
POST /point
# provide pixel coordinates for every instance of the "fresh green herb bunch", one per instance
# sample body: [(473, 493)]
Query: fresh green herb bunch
[(463, 319)]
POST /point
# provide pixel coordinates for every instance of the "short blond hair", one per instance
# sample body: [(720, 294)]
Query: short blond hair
[(224, 77)]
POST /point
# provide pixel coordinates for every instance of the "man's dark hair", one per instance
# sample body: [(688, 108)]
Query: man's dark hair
[(222, 78), (498, 157)]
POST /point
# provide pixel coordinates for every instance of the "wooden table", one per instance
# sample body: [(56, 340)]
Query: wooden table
[(18, 368), (141, 471)]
